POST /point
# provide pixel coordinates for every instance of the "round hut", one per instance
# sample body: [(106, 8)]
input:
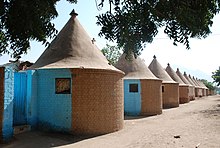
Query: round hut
[(183, 88), (170, 88), (78, 91), (142, 90), (204, 88), (191, 87), (198, 88), (190, 81)]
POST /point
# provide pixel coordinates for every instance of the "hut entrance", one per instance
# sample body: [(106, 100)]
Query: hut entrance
[(132, 97), (20, 99)]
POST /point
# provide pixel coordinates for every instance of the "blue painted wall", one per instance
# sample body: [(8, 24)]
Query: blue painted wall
[(8, 104), (132, 100), (32, 98), (20, 98), (54, 110)]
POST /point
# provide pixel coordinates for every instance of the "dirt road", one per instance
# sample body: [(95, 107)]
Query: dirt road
[(195, 124)]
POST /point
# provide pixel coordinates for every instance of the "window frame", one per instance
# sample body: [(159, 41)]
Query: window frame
[(65, 91), (134, 88)]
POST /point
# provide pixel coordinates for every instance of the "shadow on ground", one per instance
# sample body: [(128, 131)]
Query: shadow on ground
[(37, 139), (138, 117), (212, 112)]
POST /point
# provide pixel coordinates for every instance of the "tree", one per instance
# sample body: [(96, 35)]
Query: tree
[(209, 85), (112, 53), (24, 20), (216, 76), (134, 22), (130, 23)]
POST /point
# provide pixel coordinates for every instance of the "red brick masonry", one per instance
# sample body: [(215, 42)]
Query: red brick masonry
[(97, 101), (151, 97)]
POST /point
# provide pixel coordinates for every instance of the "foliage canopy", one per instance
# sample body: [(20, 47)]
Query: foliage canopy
[(209, 85), (130, 23), (216, 76), (24, 20), (112, 53), (134, 22)]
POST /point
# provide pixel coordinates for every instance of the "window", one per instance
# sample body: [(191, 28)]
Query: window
[(63, 85), (162, 88), (133, 87)]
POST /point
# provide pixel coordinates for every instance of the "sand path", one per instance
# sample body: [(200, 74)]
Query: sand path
[(195, 124)]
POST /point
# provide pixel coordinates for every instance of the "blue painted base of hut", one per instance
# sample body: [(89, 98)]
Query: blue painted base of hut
[(142, 97), (54, 110), (29, 98), (46, 104)]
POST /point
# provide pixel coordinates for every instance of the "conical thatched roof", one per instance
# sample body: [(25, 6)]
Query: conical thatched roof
[(182, 77), (193, 78), (196, 84), (72, 48), (159, 72), (173, 75), (200, 83), (190, 81), (134, 68)]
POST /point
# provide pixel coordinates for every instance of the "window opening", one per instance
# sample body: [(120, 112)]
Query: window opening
[(63, 85), (133, 87)]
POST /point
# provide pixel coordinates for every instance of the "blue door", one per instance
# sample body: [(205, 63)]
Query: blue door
[(20, 98), (132, 97)]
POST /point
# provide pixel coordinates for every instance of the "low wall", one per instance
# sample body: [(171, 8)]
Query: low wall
[(7, 131)]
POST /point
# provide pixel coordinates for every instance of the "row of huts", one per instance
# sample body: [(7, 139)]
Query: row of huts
[(148, 90), (72, 88)]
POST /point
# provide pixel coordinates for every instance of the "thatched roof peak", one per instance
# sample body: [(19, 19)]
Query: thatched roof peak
[(182, 77), (134, 68), (73, 13), (199, 82), (196, 83), (173, 75), (159, 72), (72, 48), (190, 81)]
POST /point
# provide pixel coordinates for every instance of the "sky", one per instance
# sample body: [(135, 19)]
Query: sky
[(200, 61)]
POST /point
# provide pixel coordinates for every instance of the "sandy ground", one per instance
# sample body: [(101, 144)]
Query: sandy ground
[(195, 124)]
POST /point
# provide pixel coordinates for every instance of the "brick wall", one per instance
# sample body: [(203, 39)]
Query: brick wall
[(184, 94), (203, 92), (2, 75), (97, 101), (32, 81), (151, 97), (170, 96), (200, 92), (7, 131), (192, 92), (211, 92), (54, 110), (196, 91), (207, 92)]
